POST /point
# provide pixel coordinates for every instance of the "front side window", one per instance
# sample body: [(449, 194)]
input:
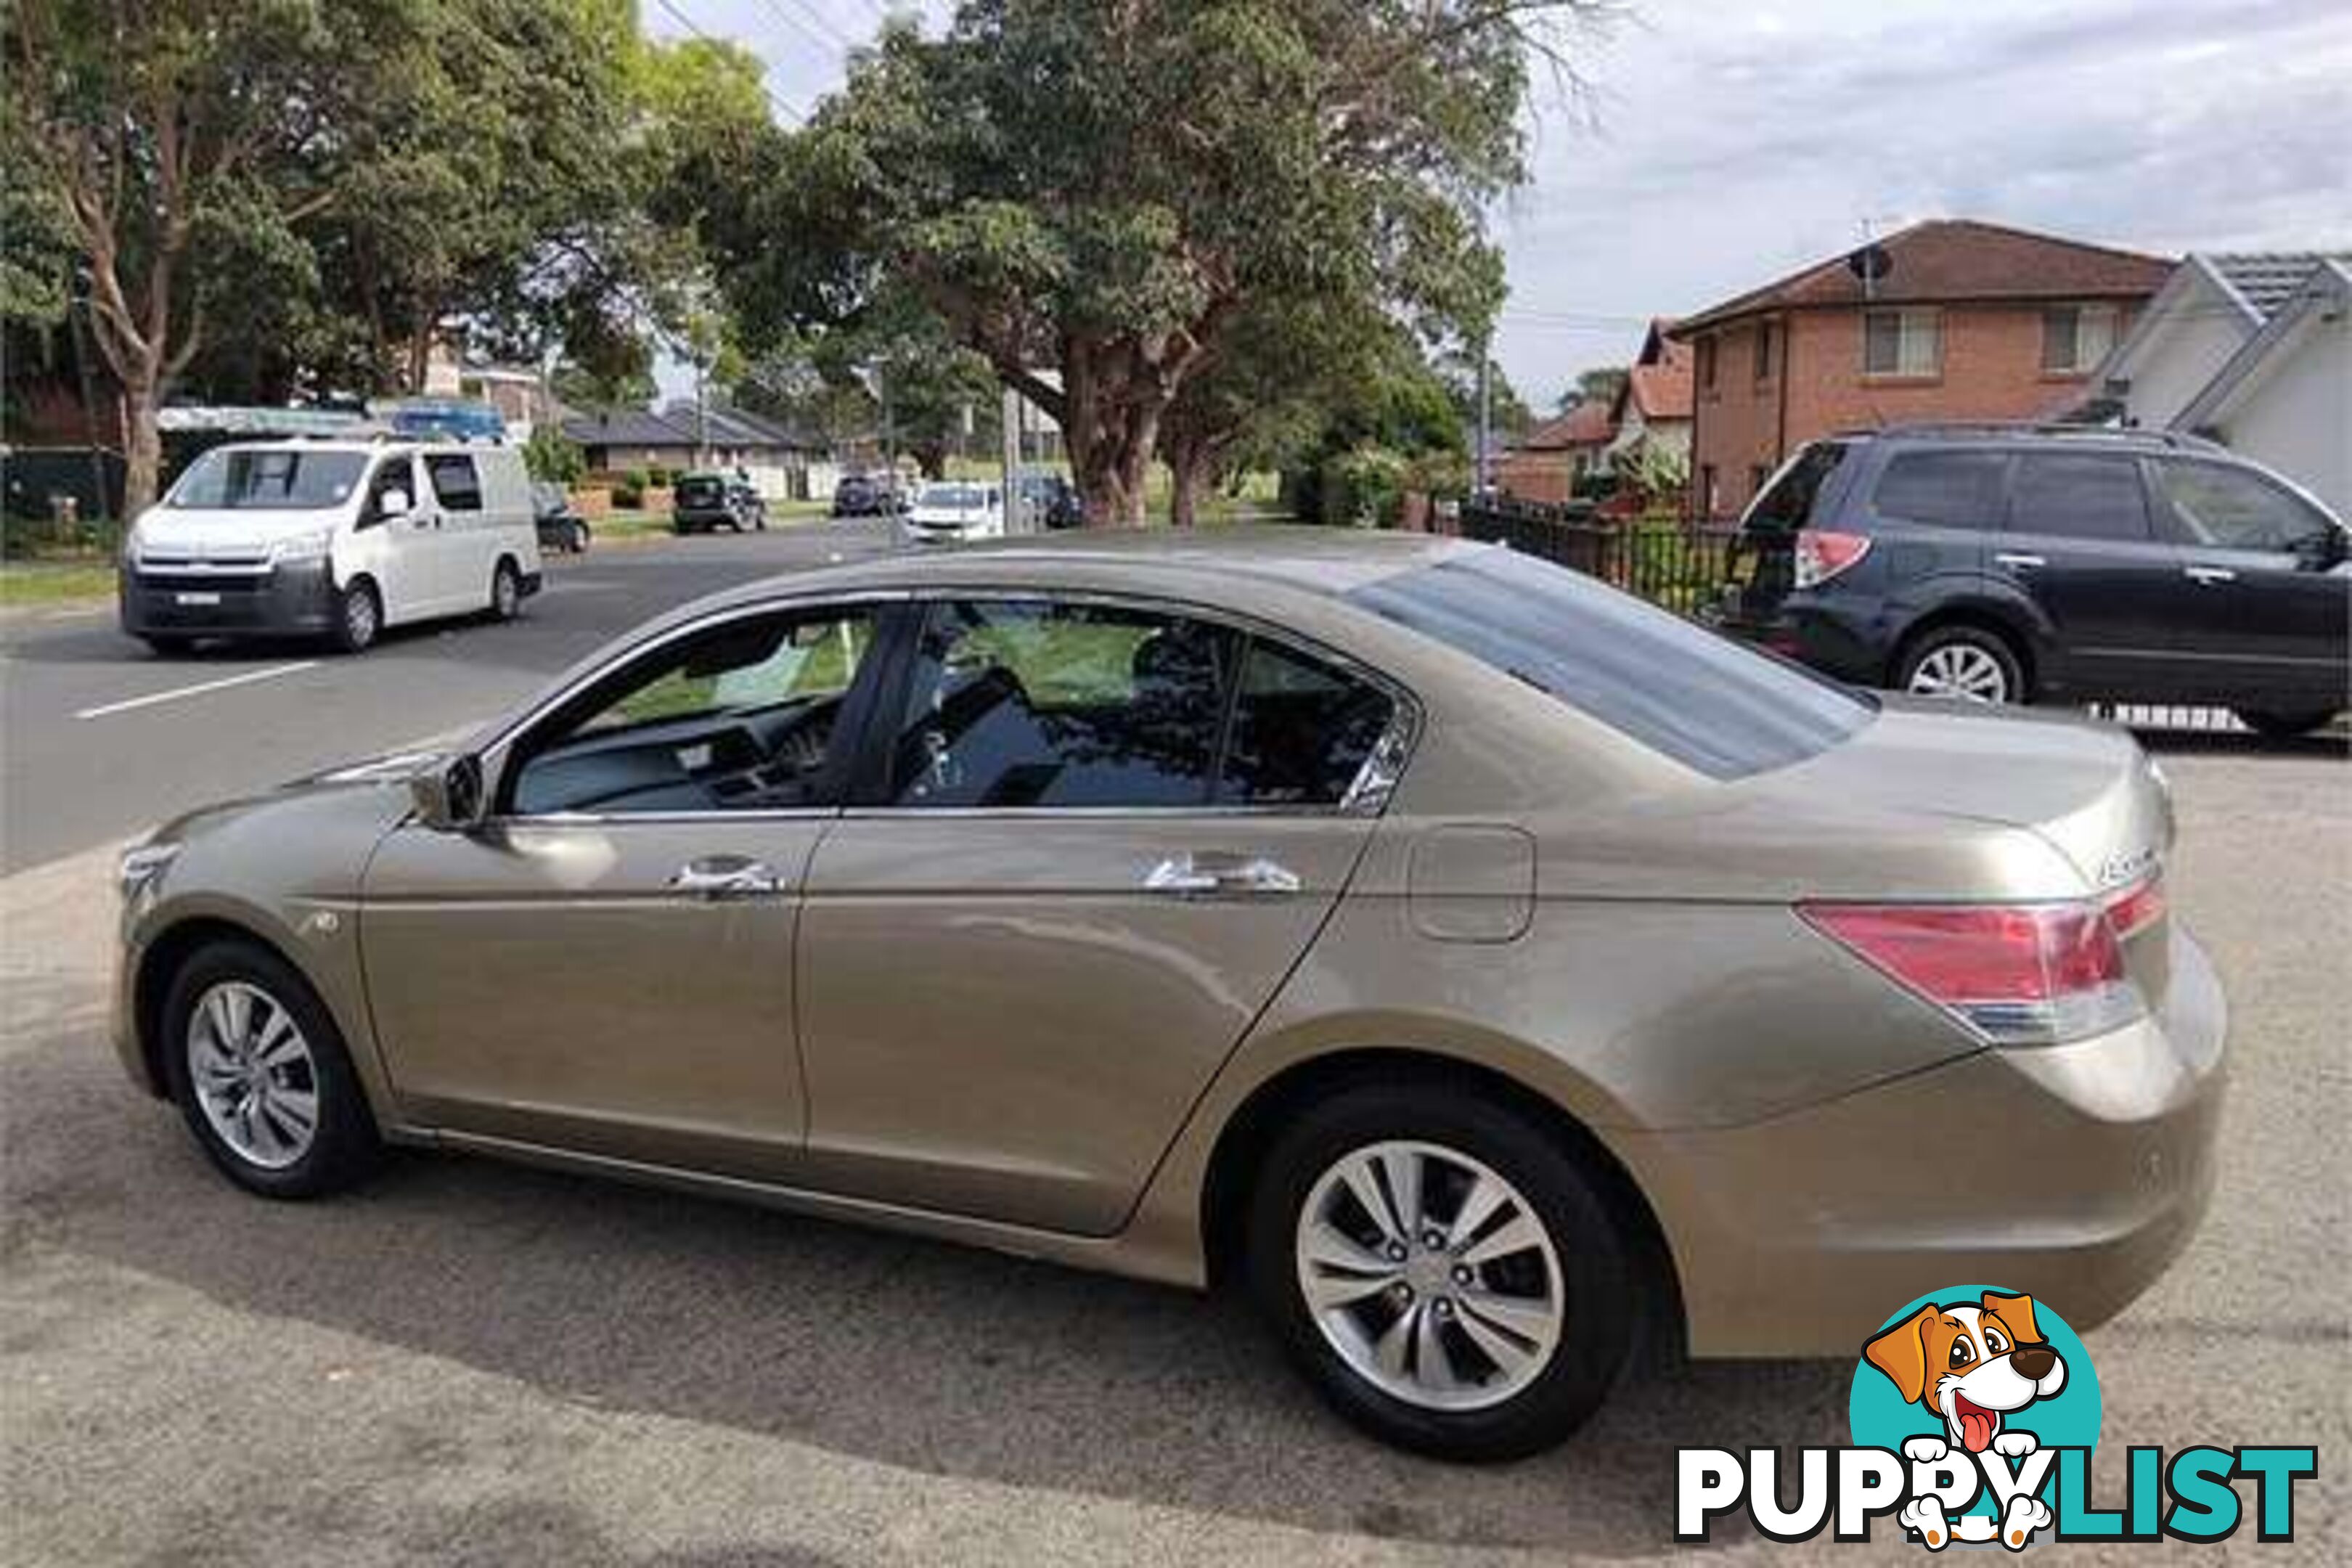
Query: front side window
[(2075, 338), (271, 479), (742, 717), (2232, 509), (1948, 489), (1903, 343), (1706, 702), (2079, 496), (455, 485)]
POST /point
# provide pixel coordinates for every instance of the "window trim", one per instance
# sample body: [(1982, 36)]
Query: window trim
[(1765, 361), (1904, 313), (2079, 309)]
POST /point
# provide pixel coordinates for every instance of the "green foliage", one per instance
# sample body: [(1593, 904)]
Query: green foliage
[(549, 456), (657, 477)]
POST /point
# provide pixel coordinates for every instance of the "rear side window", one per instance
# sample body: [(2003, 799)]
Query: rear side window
[(2073, 495), (1301, 730), (455, 484), (1707, 703), (1948, 489), (1787, 503)]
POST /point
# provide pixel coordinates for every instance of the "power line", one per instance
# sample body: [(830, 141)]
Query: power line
[(782, 107), (823, 33)]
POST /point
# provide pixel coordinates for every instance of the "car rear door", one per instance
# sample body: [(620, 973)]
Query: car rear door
[(2270, 598), (1096, 838), (2080, 541)]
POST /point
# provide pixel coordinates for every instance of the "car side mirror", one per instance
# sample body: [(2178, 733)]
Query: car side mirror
[(448, 794), (393, 503)]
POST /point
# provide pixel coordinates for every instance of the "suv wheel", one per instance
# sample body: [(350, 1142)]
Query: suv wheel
[(1963, 662), (2283, 723), (260, 1073), (1441, 1271)]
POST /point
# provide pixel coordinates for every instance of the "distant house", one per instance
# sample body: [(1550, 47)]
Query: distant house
[(1652, 410), (1946, 319), (1553, 455), (2252, 350), (783, 464)]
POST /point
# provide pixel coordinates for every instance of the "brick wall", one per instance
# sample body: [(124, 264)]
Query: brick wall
[(1991, 370)]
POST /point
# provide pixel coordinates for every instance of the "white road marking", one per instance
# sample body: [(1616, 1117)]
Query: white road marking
[(177, 692)]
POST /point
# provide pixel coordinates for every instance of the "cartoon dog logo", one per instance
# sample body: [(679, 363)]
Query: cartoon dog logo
[(1973, 1366)]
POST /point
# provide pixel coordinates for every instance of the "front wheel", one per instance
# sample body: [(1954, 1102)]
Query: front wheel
[(1442, 1270), (1965, 663), (359, 616), (2284, 723)]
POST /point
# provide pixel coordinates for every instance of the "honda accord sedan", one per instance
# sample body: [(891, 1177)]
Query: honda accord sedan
[(1487, 971)]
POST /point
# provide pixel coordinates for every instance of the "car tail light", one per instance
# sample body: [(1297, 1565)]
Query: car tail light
[(1823, 554), (2015, 975), (2136, 908)]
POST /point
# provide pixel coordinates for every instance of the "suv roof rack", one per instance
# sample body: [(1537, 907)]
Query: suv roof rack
[(2174, 439)]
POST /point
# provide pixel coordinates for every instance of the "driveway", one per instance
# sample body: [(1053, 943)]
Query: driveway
[(468, 1362)]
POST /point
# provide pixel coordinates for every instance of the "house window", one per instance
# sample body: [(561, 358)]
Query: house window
[(1765, 333), (1710, 499), (1706, 362), (2075, 338), (1903, 342)]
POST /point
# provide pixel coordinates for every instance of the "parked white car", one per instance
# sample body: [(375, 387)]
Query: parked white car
[(946, 512), (332, 539)]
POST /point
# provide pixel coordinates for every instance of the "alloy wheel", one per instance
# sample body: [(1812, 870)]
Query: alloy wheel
[(1961, 670), (359, 618), (1430, 1275), (253, 1074)]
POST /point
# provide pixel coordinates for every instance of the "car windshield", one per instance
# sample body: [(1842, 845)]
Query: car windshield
[(1678, 689), (274, 479), (954, 498), (700, 487)]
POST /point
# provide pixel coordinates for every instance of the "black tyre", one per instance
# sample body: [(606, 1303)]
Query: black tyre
[(579, 539), (1965, 663), (1441, 1269), (506, 591), (262, 1075), (2286, 723), (170, 647), (359, 616)]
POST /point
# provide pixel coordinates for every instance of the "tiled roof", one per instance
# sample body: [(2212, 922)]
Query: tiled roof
[(1586, 425), (2267, 279), (1663, 390), (1955, 258)]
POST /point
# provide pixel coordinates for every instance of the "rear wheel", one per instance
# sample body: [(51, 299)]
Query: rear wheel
[(579, 539), (359, 616), (1966, 663), (505, 592), (1442, 1270), (2284, 723)]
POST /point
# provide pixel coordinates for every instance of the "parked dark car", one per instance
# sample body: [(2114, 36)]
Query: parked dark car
[(702, 503), (560, 528), (1052, 501), (2063, 563), (868, 494)]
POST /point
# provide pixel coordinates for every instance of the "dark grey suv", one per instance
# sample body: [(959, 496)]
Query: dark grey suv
[(2019, 564)]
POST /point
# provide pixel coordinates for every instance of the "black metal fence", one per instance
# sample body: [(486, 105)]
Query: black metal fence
[(1686, 567)]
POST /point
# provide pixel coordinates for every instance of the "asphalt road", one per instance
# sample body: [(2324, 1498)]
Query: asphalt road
[(471, 1363), (98, 737)]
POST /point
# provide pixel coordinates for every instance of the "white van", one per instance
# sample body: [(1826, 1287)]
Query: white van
[(333, 539)]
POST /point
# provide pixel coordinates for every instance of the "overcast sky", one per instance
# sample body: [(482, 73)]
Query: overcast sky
[(1720, 146)]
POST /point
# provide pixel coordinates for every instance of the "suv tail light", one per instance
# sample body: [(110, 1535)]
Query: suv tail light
[(2014, 974), (1822, 554)]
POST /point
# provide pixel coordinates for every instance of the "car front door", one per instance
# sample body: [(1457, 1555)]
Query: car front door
[(2079, 541), (396, 549), (1095, 839), (607, 965), (2270, 605)]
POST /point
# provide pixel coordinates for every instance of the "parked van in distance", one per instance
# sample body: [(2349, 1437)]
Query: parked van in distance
[(329, 538)]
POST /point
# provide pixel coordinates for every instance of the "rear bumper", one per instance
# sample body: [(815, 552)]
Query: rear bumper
[(296, 599), (1851, 644), (2074, 1174)]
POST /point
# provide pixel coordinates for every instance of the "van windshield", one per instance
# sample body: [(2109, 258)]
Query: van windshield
[(272, 479)]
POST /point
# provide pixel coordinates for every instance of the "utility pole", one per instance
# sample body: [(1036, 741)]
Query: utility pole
[(701, 410), (1484, 482), (1008, 441)]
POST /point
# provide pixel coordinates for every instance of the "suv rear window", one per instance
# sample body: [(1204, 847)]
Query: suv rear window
[(1787, 502), (1950, 489), (1702, 699)]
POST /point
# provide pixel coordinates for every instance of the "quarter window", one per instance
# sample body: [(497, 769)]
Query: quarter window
[(2230, 509), (1301, 730), (1903, 342), (1036, 704), (1949, 490), (455, 484), (2075, 338), (2074, 496)]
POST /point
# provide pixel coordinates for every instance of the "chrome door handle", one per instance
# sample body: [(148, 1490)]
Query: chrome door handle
[(2020, 561), (1186, 874), (2210, 576), (719, 877)]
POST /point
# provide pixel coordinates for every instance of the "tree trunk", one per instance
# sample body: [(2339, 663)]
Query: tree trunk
[(1191, 469), (143, 456)]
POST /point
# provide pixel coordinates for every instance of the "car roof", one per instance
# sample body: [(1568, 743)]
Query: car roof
[(2026, 435)]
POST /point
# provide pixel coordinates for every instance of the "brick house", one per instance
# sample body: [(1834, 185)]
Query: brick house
[(1555, 454), (1652, 410), (1946, 320)]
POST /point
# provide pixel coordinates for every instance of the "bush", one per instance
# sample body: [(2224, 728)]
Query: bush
[(630, 493), (658, 477), (548, 456), (637, 479)]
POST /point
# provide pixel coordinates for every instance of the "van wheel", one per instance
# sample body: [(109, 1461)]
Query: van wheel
[(2284, 723), (579, 539), (1442, 1270), (1965, 663), (359, 616), (505, 592)]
